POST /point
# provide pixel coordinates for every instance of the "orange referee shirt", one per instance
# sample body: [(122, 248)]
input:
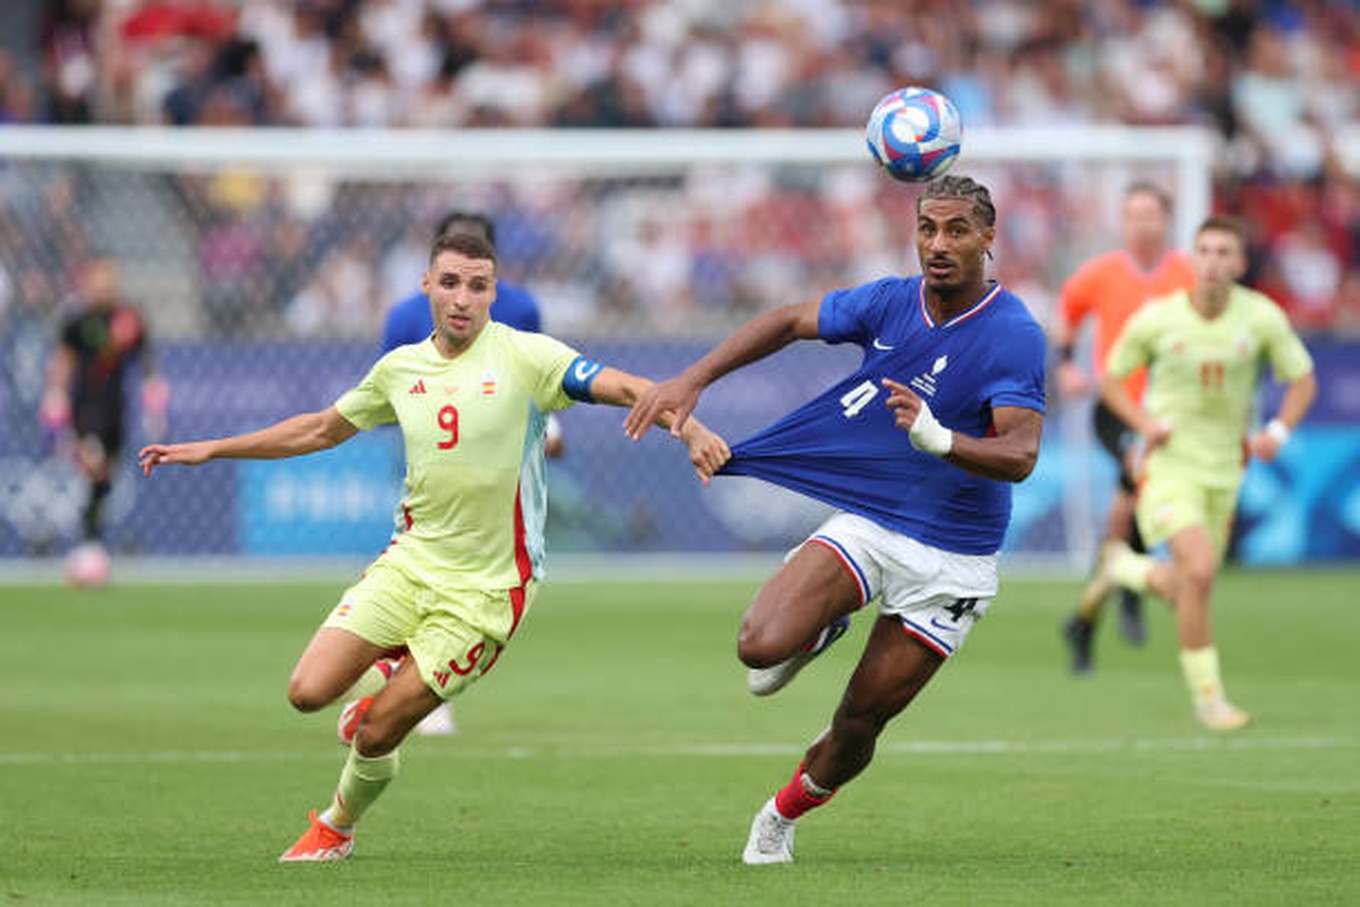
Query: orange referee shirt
[(1112, 287)]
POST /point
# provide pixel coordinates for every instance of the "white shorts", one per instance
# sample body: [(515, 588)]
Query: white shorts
[(937, 595)]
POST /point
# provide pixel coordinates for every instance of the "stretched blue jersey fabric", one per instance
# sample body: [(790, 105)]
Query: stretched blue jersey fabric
[(410, 321), (843, 446)]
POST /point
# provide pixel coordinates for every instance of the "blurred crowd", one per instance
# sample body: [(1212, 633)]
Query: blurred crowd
[(1276, 80)]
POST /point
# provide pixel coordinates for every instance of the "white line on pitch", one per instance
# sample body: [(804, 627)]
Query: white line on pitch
[(722, 750)]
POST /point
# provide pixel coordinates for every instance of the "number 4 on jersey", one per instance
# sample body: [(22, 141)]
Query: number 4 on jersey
[(857, 398)]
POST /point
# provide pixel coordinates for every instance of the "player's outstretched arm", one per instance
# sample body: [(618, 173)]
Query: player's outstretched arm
[(766, 333), (1007, 456), (303, 434), (707, 449)]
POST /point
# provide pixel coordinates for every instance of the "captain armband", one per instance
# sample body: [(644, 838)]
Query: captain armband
[(580, 375)]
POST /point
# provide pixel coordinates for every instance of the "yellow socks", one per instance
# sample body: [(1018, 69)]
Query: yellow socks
[(1200, 667), (361, 782), (1131, 570), (368, 684)]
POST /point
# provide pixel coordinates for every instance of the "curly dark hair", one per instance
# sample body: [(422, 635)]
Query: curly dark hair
[(964, 187)]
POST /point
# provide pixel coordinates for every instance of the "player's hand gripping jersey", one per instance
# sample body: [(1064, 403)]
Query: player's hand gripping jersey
[(843, 446)]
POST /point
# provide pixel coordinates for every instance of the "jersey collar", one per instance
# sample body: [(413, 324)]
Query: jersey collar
[(962, 316)]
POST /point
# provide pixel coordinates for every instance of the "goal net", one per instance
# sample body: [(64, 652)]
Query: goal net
[(264, 261)]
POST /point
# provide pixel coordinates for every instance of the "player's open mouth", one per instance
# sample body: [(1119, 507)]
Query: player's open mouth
[(939, 268)]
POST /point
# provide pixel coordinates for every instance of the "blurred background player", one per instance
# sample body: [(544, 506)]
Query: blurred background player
[(409, 321), (454, 586), (1109, 289), (1205, 350), (976, 356), (84, 399)]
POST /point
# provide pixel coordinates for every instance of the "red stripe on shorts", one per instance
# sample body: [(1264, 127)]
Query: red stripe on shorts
[(849, 568), (926, 641)]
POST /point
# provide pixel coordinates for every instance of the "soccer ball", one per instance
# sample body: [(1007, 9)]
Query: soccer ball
[(87, 565), (914, 134)]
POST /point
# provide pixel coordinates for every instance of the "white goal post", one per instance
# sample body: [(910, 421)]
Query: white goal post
[(1186, 151), (649, 242)]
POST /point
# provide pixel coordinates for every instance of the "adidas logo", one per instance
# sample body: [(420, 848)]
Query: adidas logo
[(418, 387)]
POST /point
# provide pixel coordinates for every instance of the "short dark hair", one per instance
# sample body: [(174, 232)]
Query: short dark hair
[(1148, 187), (467, 222), (1222, 223), (964, 187), (469, 245)]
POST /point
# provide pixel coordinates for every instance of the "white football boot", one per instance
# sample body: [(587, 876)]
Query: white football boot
[(771, 839)]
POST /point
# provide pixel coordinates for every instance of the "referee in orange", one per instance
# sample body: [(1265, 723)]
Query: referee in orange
[(1108, 289)]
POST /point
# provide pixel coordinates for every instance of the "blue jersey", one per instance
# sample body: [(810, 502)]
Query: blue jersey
[(843, 447), (410, 321)]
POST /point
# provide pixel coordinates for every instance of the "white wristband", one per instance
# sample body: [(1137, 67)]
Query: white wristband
[(1277, 430), (929, 435)]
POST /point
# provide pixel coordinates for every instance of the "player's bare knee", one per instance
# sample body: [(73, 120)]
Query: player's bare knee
[(761, 646), (306, 696), (1198, 577)]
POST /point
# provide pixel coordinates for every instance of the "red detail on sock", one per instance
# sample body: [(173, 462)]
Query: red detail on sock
[(793, 799)]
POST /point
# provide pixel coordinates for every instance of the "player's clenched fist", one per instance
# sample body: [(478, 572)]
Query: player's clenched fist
[(708, 452)]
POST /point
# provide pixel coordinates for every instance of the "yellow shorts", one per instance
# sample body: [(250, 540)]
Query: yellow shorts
[(390, 609), (1170, 503)]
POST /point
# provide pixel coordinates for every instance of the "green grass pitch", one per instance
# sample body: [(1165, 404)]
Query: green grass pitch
[(149, 757)]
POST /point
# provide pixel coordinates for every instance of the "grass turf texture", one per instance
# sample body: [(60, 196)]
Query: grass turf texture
[(613, 757)]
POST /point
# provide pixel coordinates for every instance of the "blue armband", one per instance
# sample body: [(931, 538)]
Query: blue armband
[(578, 378)]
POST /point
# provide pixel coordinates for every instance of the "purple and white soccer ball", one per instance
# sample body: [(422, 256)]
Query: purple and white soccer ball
[(914, 134)]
